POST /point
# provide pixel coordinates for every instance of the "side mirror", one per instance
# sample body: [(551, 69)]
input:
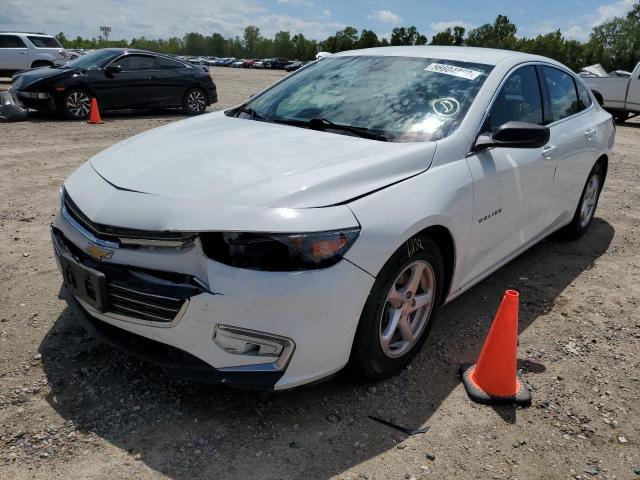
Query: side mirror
[(111, 69), (515, 135)]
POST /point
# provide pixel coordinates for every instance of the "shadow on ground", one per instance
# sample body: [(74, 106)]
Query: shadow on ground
[(189, 431)]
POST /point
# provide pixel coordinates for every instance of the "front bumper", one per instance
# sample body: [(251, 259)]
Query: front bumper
[(318, 311)]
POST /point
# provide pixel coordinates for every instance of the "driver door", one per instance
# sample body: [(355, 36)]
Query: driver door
[(512, 186), (132, 87)]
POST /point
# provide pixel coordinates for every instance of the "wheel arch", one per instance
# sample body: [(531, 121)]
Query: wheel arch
[(599, 97), (41, 63), (442, 236), (603, 160)]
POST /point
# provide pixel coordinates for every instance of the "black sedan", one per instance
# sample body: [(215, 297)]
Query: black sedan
[(118, 79)]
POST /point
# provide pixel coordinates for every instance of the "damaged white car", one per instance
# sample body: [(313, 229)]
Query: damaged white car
[(325, 220)]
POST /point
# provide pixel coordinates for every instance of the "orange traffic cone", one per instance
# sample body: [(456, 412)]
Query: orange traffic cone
[(494, 378), (94, 114)]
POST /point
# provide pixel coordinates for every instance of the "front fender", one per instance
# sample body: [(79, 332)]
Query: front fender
[(441, 196)]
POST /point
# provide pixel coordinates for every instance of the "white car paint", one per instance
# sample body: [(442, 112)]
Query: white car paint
[(26, 53), (216, 173)]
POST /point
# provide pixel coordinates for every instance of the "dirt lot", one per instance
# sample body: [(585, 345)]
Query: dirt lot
[(71, 407)]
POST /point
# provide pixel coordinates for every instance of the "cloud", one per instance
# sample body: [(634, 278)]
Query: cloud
[(326, 13), (608, 11), (580, 27), (296, 3), (385, 16), (157, 18)]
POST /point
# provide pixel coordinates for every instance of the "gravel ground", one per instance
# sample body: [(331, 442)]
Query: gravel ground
[(71, 407)]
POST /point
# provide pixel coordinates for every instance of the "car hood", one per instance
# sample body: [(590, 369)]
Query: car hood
[(224, 160), (27, 78)]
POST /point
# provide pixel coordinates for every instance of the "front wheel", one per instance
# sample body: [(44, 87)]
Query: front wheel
[(398, 314), (587, 205), (75, 104), (194, 102)]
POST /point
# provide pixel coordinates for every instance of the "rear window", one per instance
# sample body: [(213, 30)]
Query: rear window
[(44, 42), (11, 41), (168, 64), (562, 93)]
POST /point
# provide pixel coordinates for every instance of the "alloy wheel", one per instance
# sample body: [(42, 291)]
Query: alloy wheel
[(196, 101), (407, 309), (589, 200), (78, 104)]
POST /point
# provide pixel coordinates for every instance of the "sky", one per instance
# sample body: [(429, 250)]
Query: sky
[(316, 19)]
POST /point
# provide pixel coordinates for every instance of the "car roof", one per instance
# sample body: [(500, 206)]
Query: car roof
[(488, 56), (40, 34)]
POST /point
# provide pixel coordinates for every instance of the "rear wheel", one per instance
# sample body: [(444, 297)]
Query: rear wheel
[(41, 63), (75, 104), (621, 117), (194, 102), (587, 205), (397, 317)]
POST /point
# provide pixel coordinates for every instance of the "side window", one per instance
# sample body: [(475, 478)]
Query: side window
[(44, 42), (584, 99), (562, 93), (167, 64), (132, 63), (519, 100), (11, 41)]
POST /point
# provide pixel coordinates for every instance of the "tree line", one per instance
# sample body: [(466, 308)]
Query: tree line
[(615, 44)]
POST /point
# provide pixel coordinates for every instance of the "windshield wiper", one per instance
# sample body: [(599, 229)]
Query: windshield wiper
[(251, 112), (324, 124)]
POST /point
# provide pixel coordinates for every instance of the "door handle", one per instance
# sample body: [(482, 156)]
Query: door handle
[(590, 133), (547, 152)]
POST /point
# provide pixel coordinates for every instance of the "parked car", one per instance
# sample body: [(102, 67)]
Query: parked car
[(20, 50), (620, 95), (276, 63), (274, 242), (119, 79), (237, 64), (293, 66), (248, 63)]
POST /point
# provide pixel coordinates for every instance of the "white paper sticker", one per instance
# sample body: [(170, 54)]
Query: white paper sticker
[(453, 70)]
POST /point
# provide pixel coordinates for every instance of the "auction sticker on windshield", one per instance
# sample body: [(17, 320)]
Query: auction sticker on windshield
[(453, 70)]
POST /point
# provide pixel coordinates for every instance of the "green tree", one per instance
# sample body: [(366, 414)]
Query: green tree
[(368, 39)]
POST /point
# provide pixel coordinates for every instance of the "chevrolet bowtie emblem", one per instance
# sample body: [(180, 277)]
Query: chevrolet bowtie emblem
[(99, 253)]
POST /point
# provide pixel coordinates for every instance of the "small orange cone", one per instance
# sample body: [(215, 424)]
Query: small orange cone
[(94, 114), (494, 378)]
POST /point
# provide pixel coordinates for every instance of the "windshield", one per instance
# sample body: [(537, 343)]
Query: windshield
[(399, 98), (93, 59)]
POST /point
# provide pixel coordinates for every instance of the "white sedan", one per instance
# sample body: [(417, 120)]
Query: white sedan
[(324, 221)]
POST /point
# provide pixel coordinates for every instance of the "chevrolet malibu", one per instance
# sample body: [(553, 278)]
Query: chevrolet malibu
[(324, 221)]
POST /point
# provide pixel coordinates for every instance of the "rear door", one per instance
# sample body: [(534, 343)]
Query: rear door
[(14, 54), (512, 187), (572, 142), (134, 86)]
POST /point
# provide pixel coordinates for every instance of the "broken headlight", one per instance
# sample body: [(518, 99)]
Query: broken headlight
[(279, 252)]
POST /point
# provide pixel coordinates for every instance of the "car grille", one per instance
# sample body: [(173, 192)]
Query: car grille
[(125, 237), (143, 294)]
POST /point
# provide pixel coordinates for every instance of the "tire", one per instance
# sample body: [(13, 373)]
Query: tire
[(391, 298), (587, 205), (75, 104), (194, 101), (621, 117), (41, 63)]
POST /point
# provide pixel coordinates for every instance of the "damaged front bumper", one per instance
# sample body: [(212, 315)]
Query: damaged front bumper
[(212, 323), (12, 108)]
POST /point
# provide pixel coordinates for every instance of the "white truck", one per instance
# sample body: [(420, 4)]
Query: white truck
[(620, 96)]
